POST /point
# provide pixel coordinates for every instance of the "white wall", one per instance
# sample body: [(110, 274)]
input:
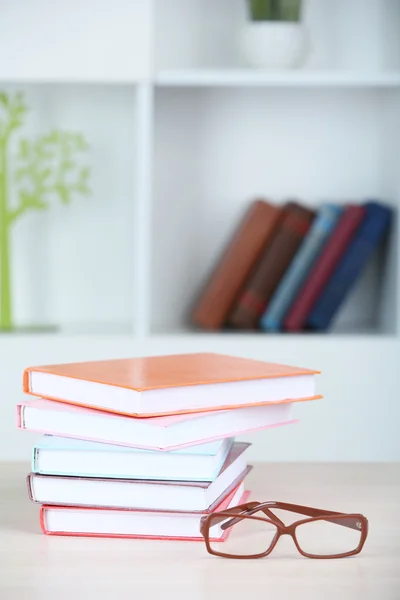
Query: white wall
[(90, 40), (356, 421)]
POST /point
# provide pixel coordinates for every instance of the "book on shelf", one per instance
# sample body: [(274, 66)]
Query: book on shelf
[(320, 273), (100, 522), (370, 233), (308, 252), (142, 493), (169, 385), (260, 287), (157, 433), (235, 265), (54, 455)]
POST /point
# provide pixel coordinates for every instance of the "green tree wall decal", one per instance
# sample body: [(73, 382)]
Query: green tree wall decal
[(47, 168)]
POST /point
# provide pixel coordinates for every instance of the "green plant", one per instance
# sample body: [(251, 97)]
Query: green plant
[(275, 10), (46, 168)]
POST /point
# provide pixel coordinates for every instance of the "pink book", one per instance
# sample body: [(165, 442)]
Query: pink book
[(155, 433), (117, 523)]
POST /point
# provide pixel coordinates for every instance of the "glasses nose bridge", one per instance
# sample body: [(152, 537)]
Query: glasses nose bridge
[(286, 530)]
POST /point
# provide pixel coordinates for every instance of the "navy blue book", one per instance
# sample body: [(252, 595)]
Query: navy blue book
[(369, 234)]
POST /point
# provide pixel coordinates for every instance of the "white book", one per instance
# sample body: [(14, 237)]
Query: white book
[(54, 455), (78, 521), (139, 493), (157, 433)]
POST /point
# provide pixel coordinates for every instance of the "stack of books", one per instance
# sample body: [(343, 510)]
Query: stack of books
[(145, 447), (289, 267)]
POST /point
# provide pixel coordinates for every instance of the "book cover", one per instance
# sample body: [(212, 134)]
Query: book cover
[(258, 291), (52, 442), (370, 233), (235, 265), (307, 254), (322, 270)]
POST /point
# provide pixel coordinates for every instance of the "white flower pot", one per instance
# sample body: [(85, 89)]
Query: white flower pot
[(273, 45)]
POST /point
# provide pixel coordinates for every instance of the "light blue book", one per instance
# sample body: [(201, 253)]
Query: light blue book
[(54, 455), (298, 270)]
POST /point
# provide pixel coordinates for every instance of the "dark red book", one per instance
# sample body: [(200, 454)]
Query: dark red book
[(324, 267), (259, 289)]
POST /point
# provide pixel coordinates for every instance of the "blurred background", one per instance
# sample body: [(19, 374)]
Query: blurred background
[(134, 137)]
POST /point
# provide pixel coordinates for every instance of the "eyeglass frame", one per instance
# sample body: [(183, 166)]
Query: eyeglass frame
[(357, 521)]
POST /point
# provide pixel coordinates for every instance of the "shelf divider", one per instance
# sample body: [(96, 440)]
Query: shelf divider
[(142, 213)]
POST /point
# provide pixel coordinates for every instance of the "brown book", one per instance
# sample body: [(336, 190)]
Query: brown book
[(259, 289), (236, 264)]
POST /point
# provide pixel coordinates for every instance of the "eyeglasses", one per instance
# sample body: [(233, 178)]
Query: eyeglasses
[(252, 530)]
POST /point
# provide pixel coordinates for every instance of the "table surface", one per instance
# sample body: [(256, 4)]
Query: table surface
[(36, 566)]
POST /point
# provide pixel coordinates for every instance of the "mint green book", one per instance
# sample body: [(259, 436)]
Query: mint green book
[(54, 455)]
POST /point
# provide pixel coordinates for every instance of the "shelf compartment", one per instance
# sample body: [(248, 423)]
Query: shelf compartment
[(229, 148), (73, 265), (345, 36)]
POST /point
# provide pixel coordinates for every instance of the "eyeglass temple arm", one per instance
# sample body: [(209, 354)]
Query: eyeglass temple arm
[(351, 522), (253, 507), (241, 508), (244, 510), (248, 510)]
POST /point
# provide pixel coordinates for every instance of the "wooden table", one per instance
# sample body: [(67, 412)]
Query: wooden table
[(34, 566)]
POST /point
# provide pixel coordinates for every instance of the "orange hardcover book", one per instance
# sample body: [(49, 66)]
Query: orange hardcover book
[(174, 384), (235, 265)]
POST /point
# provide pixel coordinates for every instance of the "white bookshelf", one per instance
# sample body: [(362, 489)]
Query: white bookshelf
[(184, 136)]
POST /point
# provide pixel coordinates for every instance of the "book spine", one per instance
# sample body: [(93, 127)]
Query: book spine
[(294, 226), (350, 267), (25, 381), (235, 265), (42, 520), (35, 457), (19, 417), (323, 268), (29, 486), (299, 268)]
